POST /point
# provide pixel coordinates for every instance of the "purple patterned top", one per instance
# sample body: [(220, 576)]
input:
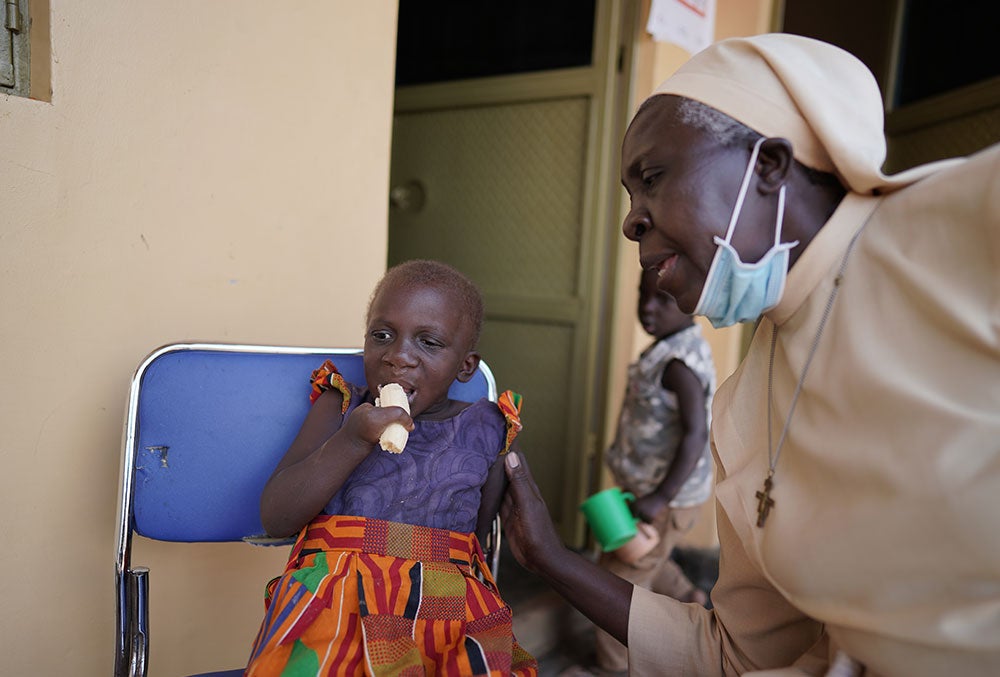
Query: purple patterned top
[(437, 480)]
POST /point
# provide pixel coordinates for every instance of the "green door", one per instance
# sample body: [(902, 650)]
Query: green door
[(512, 179)]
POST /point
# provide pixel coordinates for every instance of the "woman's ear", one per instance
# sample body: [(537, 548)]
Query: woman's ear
[(469, 366), (774, 162)]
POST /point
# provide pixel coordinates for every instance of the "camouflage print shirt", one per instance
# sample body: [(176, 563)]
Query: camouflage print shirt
[(649, 430)]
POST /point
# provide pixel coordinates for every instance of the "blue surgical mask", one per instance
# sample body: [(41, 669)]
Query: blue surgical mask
[(735, 291)]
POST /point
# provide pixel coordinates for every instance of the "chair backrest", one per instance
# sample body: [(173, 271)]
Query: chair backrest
[(205, 426), (209, 422)]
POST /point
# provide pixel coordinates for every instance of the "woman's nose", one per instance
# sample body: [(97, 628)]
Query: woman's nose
[(636, 225)]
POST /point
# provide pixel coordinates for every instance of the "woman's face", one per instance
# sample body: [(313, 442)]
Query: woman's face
[(683, 186)]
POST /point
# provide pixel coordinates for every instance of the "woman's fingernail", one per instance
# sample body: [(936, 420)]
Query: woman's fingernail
[(512, 460)]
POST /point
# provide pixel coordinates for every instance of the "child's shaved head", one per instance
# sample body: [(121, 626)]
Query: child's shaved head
[(440, 276)]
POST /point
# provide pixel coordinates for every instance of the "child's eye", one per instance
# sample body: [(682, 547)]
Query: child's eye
[(429, 342), (380, 335)]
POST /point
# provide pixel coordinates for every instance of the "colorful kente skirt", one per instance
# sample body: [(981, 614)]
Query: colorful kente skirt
[(364, 596)]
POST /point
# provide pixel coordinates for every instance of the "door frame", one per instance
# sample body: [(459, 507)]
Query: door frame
[(607, 84)]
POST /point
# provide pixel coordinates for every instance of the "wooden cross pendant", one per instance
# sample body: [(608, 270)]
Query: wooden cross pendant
[(764, 502)]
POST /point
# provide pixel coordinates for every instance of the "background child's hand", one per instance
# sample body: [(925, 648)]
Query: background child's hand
[(650, 507), (366, 423)]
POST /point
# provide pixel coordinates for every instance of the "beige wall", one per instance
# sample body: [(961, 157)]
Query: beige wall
[(653, 63), (208, 170)]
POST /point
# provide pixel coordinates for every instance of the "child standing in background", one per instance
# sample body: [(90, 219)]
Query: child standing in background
[(387, 576), (661, 452)]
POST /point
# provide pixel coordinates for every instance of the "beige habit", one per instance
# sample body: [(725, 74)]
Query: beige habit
[(884, 539)]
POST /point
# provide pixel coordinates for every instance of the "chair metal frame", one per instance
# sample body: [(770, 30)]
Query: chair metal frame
[(132, 582)]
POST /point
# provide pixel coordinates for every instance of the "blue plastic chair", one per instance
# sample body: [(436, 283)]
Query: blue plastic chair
[(205, 426)]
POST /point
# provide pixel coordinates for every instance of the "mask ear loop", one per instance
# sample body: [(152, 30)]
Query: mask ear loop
[(743, 190), (781, 216)]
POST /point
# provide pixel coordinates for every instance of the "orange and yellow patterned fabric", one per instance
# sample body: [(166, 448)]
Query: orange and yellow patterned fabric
[(328, 378), (510, 407), (363, 596)]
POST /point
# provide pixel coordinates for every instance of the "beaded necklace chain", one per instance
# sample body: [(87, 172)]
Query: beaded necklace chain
[(764, 501)]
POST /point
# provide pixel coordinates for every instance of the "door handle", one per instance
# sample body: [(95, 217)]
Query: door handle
[(408, 197)]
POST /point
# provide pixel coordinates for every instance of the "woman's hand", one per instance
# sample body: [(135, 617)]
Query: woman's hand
[(600, 595), (525, 518)]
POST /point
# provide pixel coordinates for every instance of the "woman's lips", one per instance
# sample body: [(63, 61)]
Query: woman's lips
[(666, 266)]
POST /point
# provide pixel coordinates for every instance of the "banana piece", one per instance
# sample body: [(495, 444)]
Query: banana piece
[(393, 438)]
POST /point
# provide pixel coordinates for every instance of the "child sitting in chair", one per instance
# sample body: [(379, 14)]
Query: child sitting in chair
[(387, 576)]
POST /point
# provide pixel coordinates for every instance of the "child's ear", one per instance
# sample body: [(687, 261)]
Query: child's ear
[(469, 366)]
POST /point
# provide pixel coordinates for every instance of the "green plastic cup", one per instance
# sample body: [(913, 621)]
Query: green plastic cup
[(609, 517)]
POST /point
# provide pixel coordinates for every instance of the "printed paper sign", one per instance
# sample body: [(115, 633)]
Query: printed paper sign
[(687, 23)]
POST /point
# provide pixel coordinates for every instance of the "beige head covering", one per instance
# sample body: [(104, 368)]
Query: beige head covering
[(819, 97)]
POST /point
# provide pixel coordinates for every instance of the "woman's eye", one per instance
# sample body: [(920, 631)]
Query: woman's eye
[(649, 177)]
